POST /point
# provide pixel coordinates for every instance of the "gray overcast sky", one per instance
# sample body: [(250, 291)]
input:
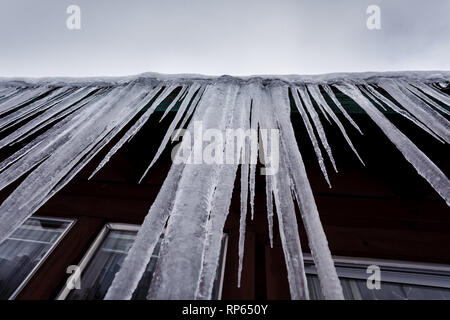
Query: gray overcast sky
[(236, 37)]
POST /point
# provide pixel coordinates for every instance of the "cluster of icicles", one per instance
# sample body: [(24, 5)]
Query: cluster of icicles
[(67, 125)]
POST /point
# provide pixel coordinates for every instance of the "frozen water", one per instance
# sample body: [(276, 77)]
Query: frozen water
[(62, 124), (311, 134)]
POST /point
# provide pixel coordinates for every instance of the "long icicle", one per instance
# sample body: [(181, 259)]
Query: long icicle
[(424, 97), (318, 244), (22, 98), (374, 95), (265, 154), (129, 110), (285, 208), (315, 92), (31, 109), (221, 203), (431, 118), (20, 162), (179, 97), (433, 93), (192, 90), (37, 122), (253, 158), (311, 134), (135, 128), (340, 107), (39, 183), (315, 118), (177, 271), (244, 203), (424, 166)]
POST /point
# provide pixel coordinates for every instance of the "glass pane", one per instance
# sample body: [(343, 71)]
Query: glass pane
[(25, 249), (99, 273), (356, 289)]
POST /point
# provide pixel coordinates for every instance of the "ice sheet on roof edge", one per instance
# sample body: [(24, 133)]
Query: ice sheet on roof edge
[(330, 78)]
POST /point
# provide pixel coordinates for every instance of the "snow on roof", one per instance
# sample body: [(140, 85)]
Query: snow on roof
[(354, 77)]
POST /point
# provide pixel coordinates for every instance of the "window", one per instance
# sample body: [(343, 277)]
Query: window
[(105, 258), (25, 249), (399, 280)]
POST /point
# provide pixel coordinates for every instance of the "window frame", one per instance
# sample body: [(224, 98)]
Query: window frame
[(127, 227), (47, 254), (392, 271)]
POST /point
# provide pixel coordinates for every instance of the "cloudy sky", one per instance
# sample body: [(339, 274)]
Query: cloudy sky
[(215, 37)]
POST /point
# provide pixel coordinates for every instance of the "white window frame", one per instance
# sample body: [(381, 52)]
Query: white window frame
[(126, 227), (45, 256), (394, 271)]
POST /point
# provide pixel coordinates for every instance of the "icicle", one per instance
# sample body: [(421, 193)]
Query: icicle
[(161, 97), (38, 106), (130, 109), (425, 98), (315, 92), (374, 95), (179, 97), (290, 240), (177, 271), (417, 158), (245, 155), (9, 92), (263, 108), (323, 111), (311, 134), (6, 91), (48, 143), (189, 111), (10, 95), (300, 185), (340, 107), (17, 156), (172, 126), (133, 130), (184, 94), (4, 101), (221, 203), (62, 153), (253, 157), (433, 93), (133, 267), (287, 221), (13, 98), (315, 118), (243, 217), (60, 117), (269, 205), (22, 98), (219, 212), (70, 102), (431, 118)]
